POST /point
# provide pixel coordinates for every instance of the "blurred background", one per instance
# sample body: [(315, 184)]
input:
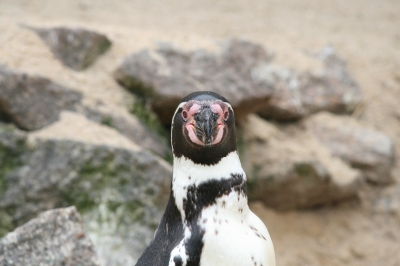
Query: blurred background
[(87, 92)]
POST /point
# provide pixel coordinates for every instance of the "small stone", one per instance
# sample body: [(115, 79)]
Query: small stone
[(357, 252)]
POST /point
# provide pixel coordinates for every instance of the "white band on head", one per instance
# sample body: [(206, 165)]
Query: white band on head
[(173, 118)]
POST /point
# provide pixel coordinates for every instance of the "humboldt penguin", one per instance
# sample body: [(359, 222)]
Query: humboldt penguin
[(207, 220)]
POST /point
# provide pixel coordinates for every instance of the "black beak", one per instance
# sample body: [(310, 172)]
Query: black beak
[(206, 121), (207, 132)]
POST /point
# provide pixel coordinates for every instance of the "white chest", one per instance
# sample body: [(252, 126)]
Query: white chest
[(233, 235), (186, 174)]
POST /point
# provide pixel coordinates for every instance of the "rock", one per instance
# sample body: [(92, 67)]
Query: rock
[(120, 192), (128, 125), (76, 48), (388, 201), (369, 150), (288, 171), (285, 103), (300, 94), (332, 89), (89, 132), (12, 145), (32, 102), (166, 75), (55, 237)]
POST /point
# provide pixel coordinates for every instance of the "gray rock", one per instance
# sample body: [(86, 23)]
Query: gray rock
[(288, 171), (12, 145), (299, 94), (331, 90), (166, 75), (285, 103), (129, 126), (54, 238), (387, 201), (75, 48), (369, 150), (32, 102), (121, 193)]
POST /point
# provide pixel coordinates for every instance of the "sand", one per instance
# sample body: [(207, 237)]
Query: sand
[(366, 33)]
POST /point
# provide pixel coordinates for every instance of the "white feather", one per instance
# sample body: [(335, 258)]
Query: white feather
[(187, 173), (234, 235)]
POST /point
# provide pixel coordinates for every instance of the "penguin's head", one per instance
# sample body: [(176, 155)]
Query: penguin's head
[(203, 128)]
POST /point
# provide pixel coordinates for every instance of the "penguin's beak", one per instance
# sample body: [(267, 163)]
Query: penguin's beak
[(206, 125), (207, 132)]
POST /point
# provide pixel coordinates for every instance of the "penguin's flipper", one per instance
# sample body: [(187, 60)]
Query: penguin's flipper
[(168, 235)]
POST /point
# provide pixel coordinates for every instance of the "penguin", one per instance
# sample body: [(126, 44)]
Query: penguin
[(207, 221)]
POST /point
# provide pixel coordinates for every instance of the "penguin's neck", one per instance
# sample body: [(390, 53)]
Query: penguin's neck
[(187, 175)]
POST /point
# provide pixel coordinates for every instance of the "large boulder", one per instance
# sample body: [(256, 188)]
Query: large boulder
[(54, 238), (285, 103), (332, 89), (76, 48), (166, 75), (298, 94), (32, 102), (367, 149), (120, 192), (293, 170), (128, 125), (12, 146)]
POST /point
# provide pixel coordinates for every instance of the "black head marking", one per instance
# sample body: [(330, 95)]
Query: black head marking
[(203, 154)]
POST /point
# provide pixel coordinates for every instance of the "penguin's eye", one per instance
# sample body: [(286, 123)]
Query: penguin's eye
[(226, 115), (184, 115)]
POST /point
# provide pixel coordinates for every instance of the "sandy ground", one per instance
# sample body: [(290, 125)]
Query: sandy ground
[(364, 32)]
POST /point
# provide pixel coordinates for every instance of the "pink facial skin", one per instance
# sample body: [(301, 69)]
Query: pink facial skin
[(193, 107), (222, 110), (188, 112)]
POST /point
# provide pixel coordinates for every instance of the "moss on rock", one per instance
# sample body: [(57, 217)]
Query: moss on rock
[(12, 146), (141, 110)]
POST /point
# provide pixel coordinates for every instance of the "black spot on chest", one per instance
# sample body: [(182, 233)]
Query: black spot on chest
[(200, 197), (178, 261)]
